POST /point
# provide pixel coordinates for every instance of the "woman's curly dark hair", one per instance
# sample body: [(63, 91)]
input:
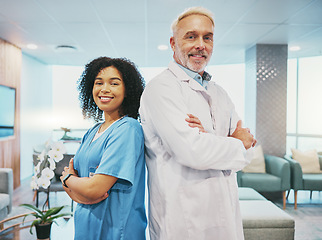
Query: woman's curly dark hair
[(133, 81)]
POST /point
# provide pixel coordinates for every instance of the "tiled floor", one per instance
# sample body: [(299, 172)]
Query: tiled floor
[(308, 216)]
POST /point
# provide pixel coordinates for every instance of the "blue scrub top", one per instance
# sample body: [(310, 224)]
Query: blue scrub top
[(118, 152)]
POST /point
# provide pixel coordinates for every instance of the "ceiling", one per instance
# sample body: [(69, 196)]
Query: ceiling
[(135, 28)]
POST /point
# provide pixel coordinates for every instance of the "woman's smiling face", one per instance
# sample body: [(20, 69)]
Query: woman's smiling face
[(109, 91)]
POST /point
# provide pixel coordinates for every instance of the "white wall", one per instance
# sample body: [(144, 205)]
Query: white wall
[(66, 109), (151, 72), (232, 79), (35, 109)]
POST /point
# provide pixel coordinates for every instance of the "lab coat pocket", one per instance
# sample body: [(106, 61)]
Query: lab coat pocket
[(202, 205)]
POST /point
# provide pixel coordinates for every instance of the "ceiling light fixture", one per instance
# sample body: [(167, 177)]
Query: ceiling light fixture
[(32, 46), (65, 48), (295, 48), (163, 47)]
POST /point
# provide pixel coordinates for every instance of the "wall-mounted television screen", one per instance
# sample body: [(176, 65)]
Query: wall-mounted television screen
[(7, 111)]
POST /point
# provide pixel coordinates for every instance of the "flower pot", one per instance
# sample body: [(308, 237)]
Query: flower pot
[(43, 230)]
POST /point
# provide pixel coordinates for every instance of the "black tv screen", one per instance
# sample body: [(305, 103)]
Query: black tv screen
[(7, 111)]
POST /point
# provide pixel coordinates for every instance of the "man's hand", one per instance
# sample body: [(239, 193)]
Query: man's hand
[(194, 122), (244, 135)]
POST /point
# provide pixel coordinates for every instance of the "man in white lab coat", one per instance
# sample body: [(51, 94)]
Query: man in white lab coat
[(194, 142)]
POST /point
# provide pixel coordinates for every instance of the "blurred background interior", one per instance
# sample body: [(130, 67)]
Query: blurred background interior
[(267, 56)]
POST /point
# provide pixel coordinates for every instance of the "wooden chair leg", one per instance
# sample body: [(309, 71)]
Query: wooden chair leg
[(35, 195), (37, 198), (295, 199), (284, 199)]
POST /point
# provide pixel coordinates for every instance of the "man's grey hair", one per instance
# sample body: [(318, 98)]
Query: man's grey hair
[(192, 11)]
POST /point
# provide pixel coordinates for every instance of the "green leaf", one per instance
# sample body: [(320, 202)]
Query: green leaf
[(53, 211), (58, 216), (44, 217), (37, 221), (32, 208), (36, 215)]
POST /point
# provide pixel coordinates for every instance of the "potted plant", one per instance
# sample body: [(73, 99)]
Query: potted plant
[(44, 219)]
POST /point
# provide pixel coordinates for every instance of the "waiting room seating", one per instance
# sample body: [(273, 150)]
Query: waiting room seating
[(6, 191), (262, 219), (304, 181), (276, 177)]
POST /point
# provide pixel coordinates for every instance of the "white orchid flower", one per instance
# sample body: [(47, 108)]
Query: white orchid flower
[(52, 153), (57, 151), (33, 183), (48, 143), (42, 155), (43, 181), (37, 168), (52, 164), (47, 173), (59, 147), (57, 156)]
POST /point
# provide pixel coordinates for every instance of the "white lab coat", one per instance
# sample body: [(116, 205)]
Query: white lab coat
[(190, 197)]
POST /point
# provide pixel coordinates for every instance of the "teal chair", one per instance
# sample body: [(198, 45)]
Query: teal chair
[(6, 193), (303, 181), (276, 178)]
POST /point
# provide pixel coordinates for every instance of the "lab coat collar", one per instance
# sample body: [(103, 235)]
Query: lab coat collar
[(183, 76)]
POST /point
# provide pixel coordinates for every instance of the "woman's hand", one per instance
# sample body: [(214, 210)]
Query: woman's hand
[(68, 170), (87, 190), (194, 122)]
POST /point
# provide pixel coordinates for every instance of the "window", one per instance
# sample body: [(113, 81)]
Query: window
[(304, 100)]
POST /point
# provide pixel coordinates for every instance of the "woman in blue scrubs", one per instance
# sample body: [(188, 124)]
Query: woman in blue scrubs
[(107, 175)]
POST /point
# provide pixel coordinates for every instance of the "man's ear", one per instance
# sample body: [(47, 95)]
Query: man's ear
[(172, 42)]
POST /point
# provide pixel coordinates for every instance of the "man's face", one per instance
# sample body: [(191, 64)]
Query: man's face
[(192, 42)]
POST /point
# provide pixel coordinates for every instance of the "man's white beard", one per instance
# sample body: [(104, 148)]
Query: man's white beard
[(196, 67)]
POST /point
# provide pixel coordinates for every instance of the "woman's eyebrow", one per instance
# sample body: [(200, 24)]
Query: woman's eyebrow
[(112, 78), (116, 78)]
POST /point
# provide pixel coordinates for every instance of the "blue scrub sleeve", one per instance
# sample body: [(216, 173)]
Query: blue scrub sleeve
[(121, 155)]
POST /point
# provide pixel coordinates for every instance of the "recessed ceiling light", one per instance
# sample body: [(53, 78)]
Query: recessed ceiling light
[(32, 46), (163, 47), (295, 48), (65, 48)]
